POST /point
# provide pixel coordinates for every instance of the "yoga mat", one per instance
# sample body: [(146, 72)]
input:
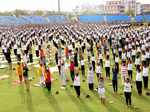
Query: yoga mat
[(4, 77), (16, 82), (3, 66)]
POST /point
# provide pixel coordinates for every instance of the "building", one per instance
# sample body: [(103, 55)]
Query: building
[(145, 8), (120, 6), (113, 7)]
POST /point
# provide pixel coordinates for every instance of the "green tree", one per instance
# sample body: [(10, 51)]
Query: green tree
[(130, 12), (38, 12), (18, 12)]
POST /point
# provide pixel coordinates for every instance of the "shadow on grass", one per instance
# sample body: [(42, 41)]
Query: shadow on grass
[(83, 107), (52, 101), (22, 94), (29, 103)]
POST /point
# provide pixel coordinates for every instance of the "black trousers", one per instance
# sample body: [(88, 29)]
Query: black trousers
[(15, 52), (98, 75), (19, 57), (72, 75), (93, 64), (101, 61), (130, 73), (30, 57), (117, 65), (115, 85), (37, 53), (83, 70), (56, 58), (107, 71), (77, 89), (133, 58), (91, 86), (59, 69), (145, 80), (48, 86), (139, 86), (128, 97)]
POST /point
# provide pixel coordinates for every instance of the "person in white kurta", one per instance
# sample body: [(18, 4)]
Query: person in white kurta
[(90, 78), (63, 75)]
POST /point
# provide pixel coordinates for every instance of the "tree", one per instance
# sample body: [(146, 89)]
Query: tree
[(18, 12), (130, 12), (38, 12)]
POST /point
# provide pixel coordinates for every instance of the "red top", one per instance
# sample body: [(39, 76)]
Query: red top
[(71, 67), (41, 53), (67, 51), (48, 77)]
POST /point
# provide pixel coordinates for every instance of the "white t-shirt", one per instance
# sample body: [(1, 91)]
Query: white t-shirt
[(116, 59), (137, 61), (107, 63), (145, 71), (139, 76), (82, 62), (127, 87), (77, 80), (130, 66), (98, 69), (93, 58)]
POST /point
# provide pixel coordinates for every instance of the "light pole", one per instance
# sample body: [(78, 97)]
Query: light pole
[(58, 5)]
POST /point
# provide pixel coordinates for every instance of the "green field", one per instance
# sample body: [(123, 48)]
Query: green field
[(14, 98)]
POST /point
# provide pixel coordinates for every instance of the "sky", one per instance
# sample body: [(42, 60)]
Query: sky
[(66, 5)]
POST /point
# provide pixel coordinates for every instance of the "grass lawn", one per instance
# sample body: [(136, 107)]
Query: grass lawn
[(14, 98)]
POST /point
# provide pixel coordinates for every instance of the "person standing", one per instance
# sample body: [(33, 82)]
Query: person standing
[(115, 79), (77, 84), (72, 69), (19, 71), (90, 78), (48, 80), (107, 67), (139, 80), (101, 89), (25, 75), (145, 75), (127, 91)]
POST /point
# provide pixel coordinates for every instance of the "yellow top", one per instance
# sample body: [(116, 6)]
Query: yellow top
[(40, 71), (19, 70)]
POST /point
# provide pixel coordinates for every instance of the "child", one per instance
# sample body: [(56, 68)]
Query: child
[(41, 72), (107, 67), (101, 89), (77, 84), (25, 75), (139, 80), (114, 79), (19, 71), (90, 78), (127, 91), (48, 80)]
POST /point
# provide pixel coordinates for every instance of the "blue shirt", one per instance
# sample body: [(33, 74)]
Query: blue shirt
[(114, 75)]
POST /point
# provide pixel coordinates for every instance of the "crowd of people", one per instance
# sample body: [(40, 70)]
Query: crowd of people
[(106, 48)]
